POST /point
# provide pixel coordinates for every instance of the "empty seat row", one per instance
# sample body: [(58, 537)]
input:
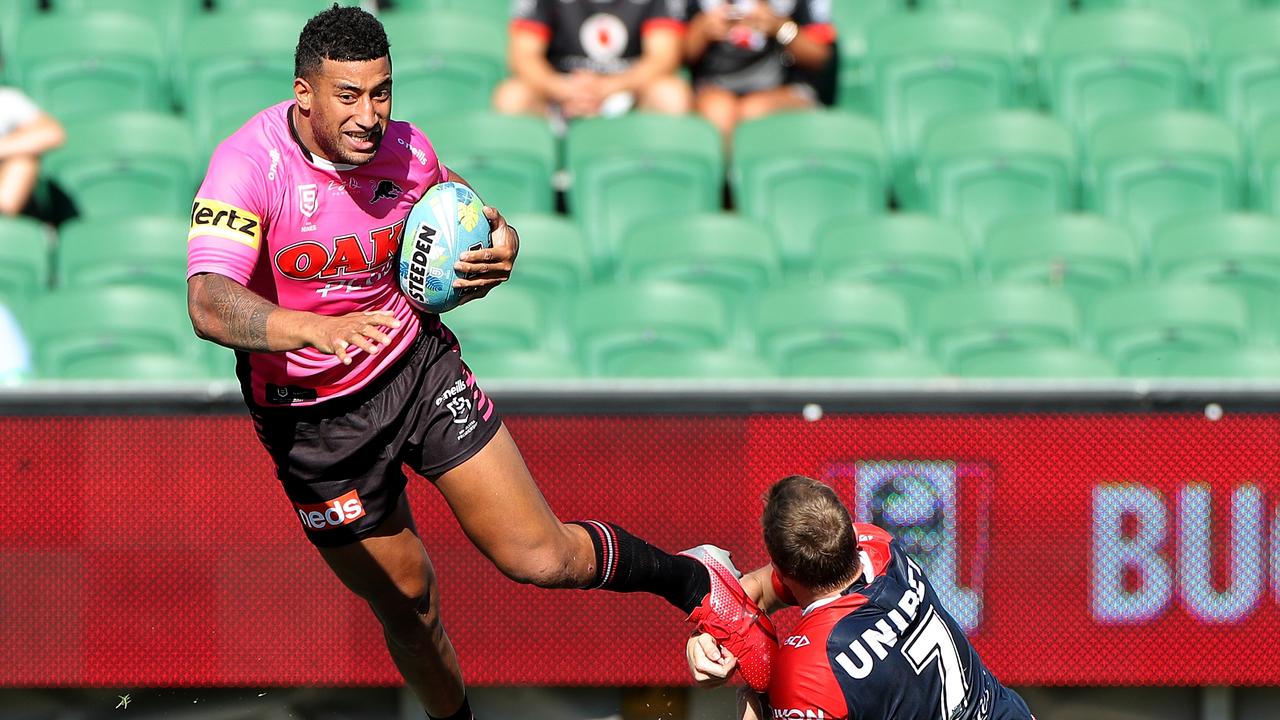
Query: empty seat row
[(649, 329)]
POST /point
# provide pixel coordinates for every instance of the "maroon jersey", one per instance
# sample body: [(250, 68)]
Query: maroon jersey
[(884, 648)]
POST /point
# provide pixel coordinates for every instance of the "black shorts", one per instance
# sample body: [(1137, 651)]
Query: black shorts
[(340, 461)]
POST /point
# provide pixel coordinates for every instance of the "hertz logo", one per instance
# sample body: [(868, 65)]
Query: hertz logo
[(218, 219)]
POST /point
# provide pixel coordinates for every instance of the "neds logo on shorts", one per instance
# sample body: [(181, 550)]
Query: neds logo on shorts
[(334, 513)]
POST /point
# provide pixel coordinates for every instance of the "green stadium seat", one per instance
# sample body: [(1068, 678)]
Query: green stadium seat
[(124, 250), (527, 365), (1245, 69), (1246, 363), (219, 361), (930, 66), (965, 323), (168, 17), (1037, 363), (12, 16), (1112, 63), (1028, 19), (506, 319), (75, 325), (860, 364), (1194, 13), (726, 253), (554, 259), (445, 62), (1150, 168), (126, 163), (300, 7), (499, 10), (613, 319), (805, 317), (1083, 254), (508, 159), (1264, 168), (141, 366), (693, 364), (1240, 251), (24, 261), (249, 67), (979, 169), (795, 171), (853, 21), (628, 168), (913, 255), (1144, 329), (117, 62)]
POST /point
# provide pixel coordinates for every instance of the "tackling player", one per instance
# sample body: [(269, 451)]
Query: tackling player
[(873, 642), (291, 254)]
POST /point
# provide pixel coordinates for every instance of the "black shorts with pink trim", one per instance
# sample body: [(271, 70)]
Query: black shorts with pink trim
[(340, 461)]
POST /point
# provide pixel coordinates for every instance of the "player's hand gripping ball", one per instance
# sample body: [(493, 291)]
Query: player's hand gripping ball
[(446, 222)]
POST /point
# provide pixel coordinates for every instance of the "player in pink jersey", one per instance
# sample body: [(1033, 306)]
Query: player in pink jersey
[(293, 235)]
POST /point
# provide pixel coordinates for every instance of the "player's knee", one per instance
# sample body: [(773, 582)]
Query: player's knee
[(514, 96), (755, 106), (546, 566), (669, 94)]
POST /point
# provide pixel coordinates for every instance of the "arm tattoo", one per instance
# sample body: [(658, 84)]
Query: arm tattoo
[(240, 311)]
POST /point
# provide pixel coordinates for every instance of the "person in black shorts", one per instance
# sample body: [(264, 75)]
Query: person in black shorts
[(873, 643), (750, 58), (291, 256), (581, 58)]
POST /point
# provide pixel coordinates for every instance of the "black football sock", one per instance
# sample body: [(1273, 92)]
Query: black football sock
[(625, 563), (463, 713)]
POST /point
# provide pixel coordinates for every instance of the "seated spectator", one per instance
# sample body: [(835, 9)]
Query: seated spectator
[(15, 355), (26, 133), (581, 58), (755, 57)]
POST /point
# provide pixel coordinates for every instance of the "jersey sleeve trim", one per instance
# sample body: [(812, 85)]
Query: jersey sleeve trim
[(531, 27), (662, 23), (824, 33), (780, 589)]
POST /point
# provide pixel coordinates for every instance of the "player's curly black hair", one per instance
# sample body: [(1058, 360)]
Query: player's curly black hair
[(339, 33)]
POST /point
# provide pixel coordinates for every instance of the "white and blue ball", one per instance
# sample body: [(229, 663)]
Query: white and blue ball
[(447, 221)]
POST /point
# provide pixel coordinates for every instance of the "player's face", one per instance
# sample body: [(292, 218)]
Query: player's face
[(347, 106)]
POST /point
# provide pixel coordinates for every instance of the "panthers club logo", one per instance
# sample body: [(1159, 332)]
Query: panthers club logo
[(386, 190)]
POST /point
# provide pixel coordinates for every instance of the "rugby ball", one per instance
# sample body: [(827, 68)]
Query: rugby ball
[(446, 222)]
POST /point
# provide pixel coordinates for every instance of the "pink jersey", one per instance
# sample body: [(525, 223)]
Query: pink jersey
[(310, 235)]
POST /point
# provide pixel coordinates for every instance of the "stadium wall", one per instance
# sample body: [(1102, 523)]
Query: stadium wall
[(1112, 535)]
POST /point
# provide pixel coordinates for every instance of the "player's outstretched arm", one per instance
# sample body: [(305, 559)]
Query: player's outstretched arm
[(759, 586), (230, 314)]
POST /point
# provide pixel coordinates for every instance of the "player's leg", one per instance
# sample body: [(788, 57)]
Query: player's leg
[(719, 107), (504, 514), (390, 570), (751, 705), (670, 94), (17, 180), (766, 102), (516, 97)]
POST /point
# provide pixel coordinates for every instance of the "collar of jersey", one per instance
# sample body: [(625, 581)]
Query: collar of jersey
[(868, 574), (312, 158)]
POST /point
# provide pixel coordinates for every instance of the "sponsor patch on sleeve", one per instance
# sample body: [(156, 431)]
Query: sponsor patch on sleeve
[(218, 219)]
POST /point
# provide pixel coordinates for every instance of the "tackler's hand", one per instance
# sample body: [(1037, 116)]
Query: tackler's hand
[(709, 663), (486, 269)]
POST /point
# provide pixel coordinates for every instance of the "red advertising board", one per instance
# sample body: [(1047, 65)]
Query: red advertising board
[(1077, 549)]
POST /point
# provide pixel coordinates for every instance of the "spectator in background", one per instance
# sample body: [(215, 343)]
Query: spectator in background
[(582, 58), (26, 133), (755, 57), (15, 354)]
